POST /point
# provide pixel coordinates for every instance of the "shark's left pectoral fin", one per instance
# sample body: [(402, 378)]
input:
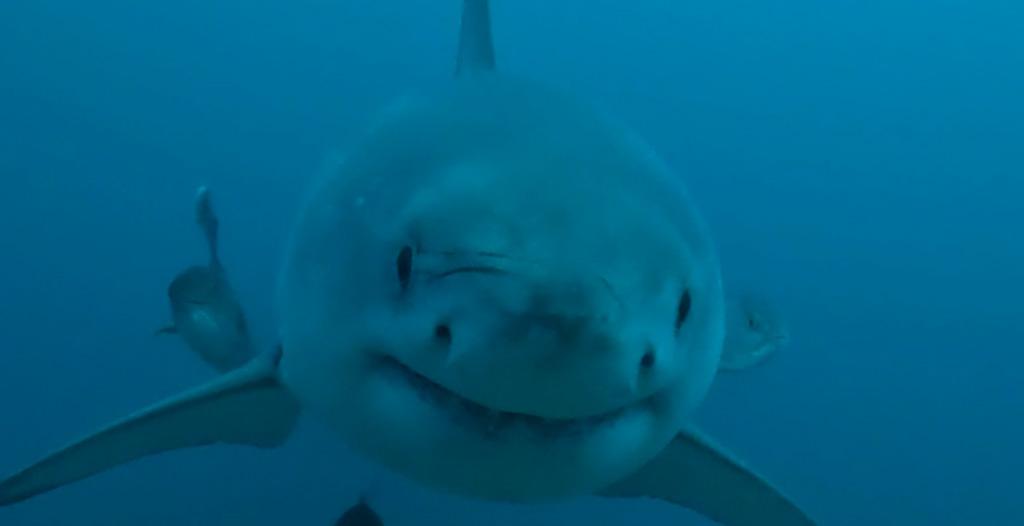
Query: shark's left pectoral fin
[(696, 474), (248, 406)]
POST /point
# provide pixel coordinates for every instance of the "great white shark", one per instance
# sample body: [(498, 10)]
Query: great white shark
[(502, 293)]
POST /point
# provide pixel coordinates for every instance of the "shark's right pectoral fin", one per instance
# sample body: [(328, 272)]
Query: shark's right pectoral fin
[(696, 474), (248, 406)]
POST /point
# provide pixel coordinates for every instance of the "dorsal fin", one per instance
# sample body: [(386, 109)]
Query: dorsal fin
[(476, 47)]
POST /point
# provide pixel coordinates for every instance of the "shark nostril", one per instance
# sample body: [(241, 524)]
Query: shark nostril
[(443, 333), (647, 360)]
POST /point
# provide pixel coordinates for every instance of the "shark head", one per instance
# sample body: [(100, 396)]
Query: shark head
[(499, 273)]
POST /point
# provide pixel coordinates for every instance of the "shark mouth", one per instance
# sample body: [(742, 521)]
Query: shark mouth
[(493, 423)]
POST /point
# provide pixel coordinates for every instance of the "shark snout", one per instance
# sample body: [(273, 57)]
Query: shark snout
[(557, 347), (574, 301)]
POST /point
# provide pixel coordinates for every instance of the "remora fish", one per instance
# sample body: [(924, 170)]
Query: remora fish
[(204, 309)]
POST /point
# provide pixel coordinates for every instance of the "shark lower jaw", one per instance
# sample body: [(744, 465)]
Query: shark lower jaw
[(493, 423)]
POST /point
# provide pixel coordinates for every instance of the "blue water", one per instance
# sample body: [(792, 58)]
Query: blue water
[(861, 163)]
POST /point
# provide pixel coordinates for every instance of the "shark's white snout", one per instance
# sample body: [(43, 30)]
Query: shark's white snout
[(519, 337)]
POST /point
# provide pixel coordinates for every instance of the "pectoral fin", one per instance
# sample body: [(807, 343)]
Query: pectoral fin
[(248, 406), (696, 474)]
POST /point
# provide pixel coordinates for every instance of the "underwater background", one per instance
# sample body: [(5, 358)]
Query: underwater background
[(861, 164)]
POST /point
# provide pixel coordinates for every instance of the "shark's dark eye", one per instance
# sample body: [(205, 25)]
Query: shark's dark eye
[(404, 265), (683, 310), (647, 360), (443, 333)]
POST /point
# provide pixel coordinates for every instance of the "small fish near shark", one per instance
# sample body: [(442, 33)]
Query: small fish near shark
[(754, 331), (501, 293), (205, 311)]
